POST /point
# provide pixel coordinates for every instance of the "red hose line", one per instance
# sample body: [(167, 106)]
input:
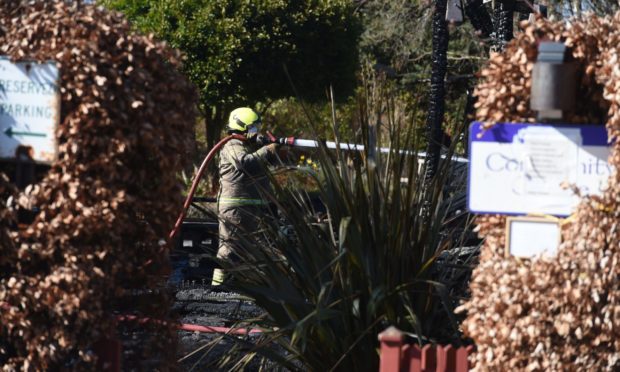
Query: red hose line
[(197, 177), (210, 329), (193, 327)]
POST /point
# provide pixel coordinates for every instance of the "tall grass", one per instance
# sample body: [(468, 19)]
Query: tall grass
[(330, 282)]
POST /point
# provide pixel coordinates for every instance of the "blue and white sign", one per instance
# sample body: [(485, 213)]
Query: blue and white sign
[(530, 168), (29, 108)]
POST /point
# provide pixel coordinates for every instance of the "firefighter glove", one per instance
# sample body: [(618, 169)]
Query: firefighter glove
[(261, 140)]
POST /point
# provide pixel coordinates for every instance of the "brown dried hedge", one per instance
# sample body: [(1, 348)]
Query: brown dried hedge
[(110, 198), (561, 313)]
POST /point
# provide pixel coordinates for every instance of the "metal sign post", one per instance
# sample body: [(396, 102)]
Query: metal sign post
[(29, 109)]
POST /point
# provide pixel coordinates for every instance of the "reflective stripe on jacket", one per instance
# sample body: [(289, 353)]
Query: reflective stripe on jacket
[(242, 174), (240, 201)]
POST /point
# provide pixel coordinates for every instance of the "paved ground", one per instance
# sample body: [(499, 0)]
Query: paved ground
[(200, 305), (195, 303)]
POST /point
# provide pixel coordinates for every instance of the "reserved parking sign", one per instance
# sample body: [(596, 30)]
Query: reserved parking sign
[(29, 108), (529, 168)]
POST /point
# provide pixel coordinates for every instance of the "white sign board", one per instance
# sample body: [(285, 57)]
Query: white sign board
[(29, 108), (454, 11), (532, 237), (526, 168)]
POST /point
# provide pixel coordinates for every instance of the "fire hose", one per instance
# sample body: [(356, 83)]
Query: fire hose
[(191, 327), (197, 177), (264, 140)]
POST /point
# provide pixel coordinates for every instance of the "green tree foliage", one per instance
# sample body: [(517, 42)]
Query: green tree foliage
[(396, 42), (243, 52), (395, 32), (398, 34), (568, 8)]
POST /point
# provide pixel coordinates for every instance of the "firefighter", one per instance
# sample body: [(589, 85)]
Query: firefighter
[(243, 180)]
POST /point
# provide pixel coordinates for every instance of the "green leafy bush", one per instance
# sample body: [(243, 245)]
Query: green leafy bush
[(240, 52)]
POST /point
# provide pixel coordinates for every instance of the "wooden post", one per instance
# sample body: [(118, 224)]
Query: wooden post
[(412, 356), (391, 344), (429, 358)]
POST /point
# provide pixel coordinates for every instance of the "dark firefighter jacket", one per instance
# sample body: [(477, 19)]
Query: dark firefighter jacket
[(242, 174)]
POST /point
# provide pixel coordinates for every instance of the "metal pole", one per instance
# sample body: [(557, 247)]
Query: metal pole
[(436, 108), (504, 13)]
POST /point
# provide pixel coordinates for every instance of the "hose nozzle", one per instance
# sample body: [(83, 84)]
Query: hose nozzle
[(269, 138)]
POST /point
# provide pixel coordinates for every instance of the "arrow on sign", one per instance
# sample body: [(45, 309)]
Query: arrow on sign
[(9, 132)]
